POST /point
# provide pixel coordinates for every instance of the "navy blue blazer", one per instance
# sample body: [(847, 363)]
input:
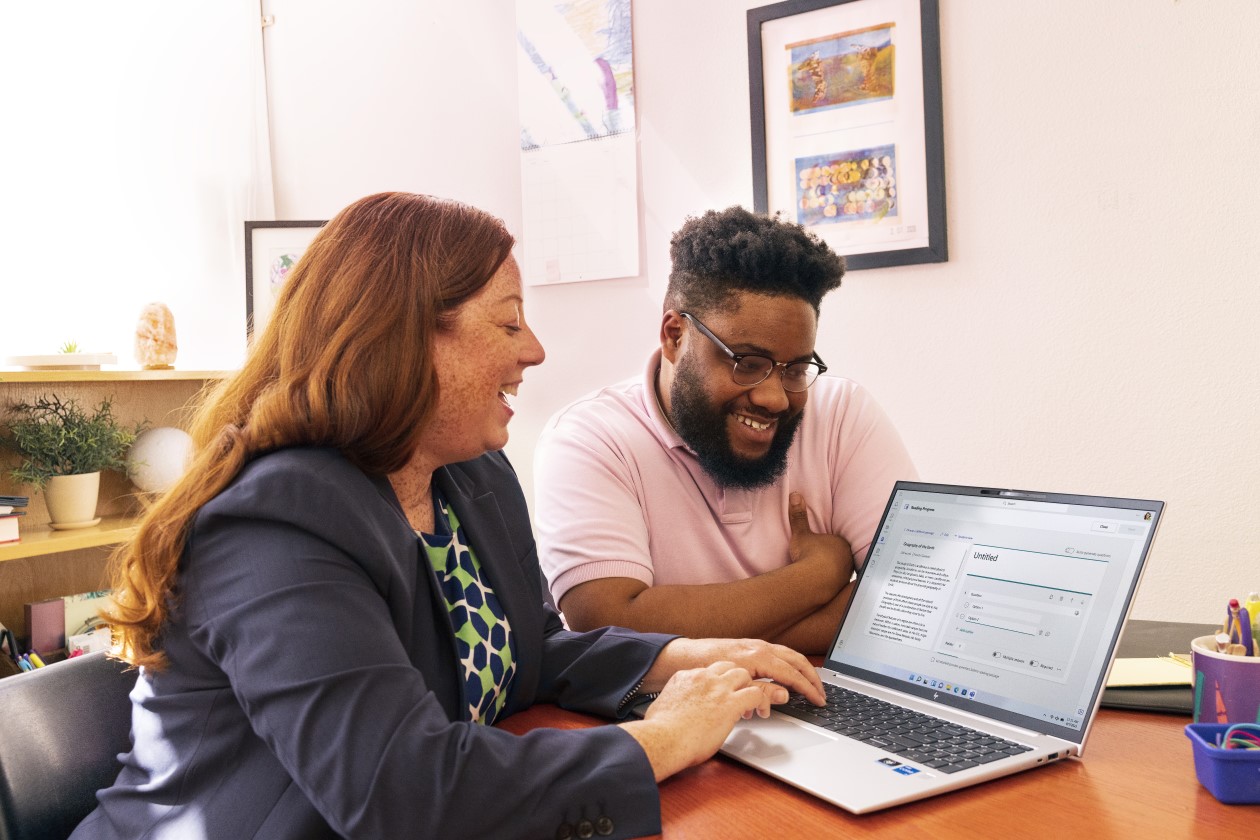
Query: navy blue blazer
[(314, 691)]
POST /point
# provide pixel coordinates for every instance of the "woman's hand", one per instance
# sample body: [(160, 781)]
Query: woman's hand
[(763, 660), (695, 712), (706, 686)]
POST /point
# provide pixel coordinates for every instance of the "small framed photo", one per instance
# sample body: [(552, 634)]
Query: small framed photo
[(271, 251), (847, 133)]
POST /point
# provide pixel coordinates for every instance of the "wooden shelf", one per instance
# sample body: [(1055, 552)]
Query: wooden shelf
[(39, 541), (20, 375), (47, 563)]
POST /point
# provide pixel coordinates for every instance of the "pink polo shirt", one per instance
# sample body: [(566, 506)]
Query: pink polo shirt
[(618, 494)]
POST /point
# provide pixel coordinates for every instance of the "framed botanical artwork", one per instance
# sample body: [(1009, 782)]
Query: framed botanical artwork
[(847, 132), (271, 251)]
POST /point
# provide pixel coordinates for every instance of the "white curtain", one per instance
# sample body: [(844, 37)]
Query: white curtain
[(133, 145)]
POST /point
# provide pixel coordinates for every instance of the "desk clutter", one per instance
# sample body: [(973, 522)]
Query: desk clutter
[(57, 628), (1152, 671), (1225, 734)]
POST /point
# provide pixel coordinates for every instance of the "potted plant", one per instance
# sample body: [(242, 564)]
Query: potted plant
[(62, 449)]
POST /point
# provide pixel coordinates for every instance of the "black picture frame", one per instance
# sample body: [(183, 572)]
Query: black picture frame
[(914, 186), (265, 243)]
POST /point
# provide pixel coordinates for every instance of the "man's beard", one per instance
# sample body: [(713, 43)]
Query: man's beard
[(702, 426)]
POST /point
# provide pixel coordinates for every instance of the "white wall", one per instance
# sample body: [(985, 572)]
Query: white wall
[(1092, 331), (128, 158)]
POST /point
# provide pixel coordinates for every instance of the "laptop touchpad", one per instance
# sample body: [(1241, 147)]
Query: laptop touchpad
[(770, 737)]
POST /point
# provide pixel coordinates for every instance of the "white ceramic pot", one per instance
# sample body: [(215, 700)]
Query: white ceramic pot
[(71, 500)]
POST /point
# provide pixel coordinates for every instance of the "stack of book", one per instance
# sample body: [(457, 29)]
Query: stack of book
[(11, 509)]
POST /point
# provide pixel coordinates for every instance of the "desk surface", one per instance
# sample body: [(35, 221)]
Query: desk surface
[(1136, 779)]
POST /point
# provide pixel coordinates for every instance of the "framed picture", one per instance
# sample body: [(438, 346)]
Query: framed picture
[(271, 251), (846, 125)]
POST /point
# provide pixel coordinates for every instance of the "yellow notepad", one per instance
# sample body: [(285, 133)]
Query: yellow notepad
[(1152, 670)]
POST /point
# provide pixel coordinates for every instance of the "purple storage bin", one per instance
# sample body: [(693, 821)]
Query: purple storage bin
[(1232, 776)]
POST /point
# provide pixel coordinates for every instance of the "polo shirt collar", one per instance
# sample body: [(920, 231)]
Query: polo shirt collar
[(664, 430)]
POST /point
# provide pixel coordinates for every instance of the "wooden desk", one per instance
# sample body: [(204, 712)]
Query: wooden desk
[(1136, 780)]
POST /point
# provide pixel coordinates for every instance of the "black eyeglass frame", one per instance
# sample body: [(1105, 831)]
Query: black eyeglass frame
[(737, 358)]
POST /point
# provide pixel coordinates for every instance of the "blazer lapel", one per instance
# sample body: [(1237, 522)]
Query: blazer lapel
[(483, 524), (430, 617)]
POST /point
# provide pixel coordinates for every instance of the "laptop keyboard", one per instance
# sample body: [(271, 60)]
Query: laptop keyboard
[(910, 735)]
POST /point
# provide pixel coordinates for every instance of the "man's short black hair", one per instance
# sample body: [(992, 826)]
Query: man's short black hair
[(734, 250)]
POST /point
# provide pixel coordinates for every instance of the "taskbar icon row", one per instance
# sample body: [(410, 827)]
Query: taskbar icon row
[(943, 685)]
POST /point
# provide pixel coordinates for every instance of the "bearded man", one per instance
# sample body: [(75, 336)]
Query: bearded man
[(727, 491)]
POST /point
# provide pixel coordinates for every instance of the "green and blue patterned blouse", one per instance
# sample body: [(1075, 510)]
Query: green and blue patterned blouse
[(487, 648)]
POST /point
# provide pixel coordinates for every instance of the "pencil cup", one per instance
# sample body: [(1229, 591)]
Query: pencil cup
[(1226, 688)]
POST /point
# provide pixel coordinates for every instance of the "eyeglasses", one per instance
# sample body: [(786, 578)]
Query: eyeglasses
[(752, 369)]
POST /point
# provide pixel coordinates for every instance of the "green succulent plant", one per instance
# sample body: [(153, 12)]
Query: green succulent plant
[(58, 437), (69, 347)]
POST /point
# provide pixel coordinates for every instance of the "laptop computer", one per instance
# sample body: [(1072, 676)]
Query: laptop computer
[(983, 624)]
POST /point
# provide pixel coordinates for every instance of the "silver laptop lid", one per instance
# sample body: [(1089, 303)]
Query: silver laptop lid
[(1006, 603)]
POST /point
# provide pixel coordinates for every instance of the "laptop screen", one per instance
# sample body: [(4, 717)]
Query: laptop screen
[(1001, 602)]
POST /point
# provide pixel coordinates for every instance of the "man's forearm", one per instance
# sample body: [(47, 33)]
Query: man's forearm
[(760, 607), (814, 633)]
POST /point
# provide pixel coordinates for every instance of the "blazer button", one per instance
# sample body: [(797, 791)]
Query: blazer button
[(564, 831), (585, 830), (604, 826)]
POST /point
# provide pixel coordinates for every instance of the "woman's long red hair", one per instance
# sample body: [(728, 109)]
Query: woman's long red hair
[(346, 361)]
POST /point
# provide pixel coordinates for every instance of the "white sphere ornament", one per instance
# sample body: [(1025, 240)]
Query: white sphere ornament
[(159, 458)]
